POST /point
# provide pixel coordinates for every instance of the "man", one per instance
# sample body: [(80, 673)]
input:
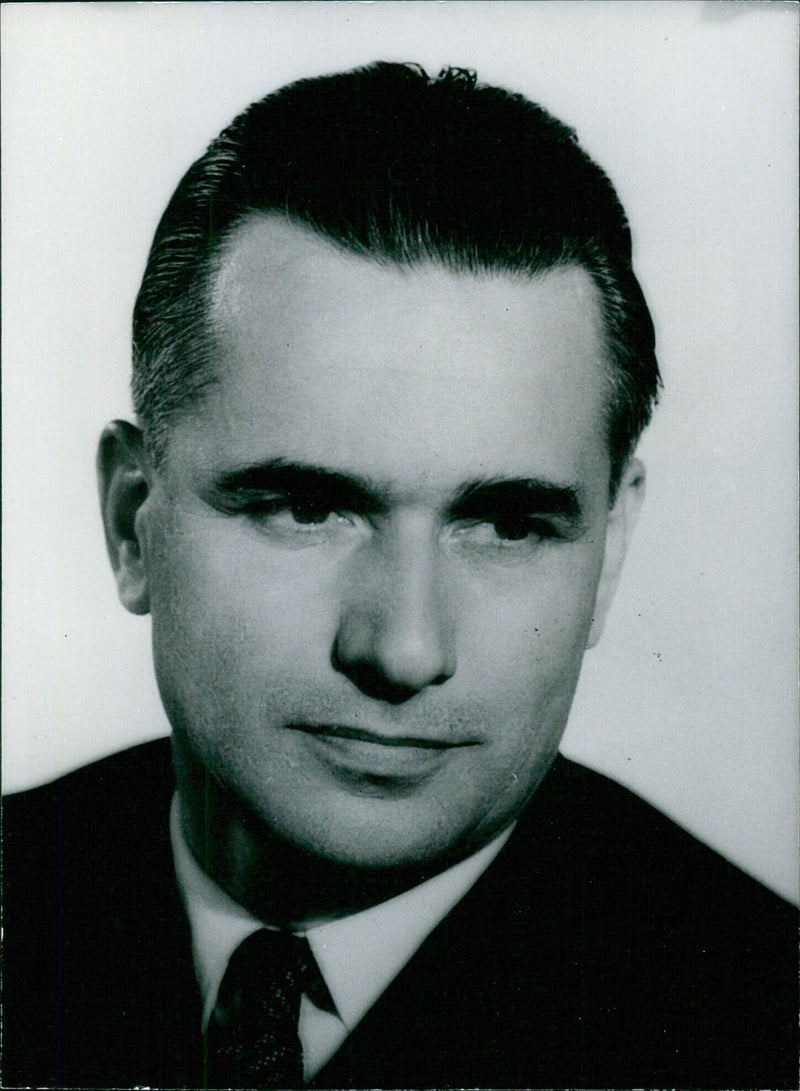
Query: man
[(391, 362)]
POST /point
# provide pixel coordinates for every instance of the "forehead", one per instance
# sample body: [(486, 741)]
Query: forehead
[(272, 268), (334, 357)]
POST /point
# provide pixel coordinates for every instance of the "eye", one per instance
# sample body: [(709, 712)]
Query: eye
[(517, 528), (506, 532), (298, 520), (286, 512), (309, 514)]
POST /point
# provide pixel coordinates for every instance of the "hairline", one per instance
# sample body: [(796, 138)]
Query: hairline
[(206, 332)]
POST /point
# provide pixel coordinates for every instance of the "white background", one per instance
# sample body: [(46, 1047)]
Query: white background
[(691, 696)]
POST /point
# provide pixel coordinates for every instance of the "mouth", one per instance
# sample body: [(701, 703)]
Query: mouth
[(379, 738), (370, 761)]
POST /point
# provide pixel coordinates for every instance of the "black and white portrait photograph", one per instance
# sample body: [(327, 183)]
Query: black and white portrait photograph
[(400, 597)]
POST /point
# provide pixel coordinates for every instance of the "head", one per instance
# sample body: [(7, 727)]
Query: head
[(391, 362)]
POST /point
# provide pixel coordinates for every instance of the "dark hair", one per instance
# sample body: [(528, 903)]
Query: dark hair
[(397, 167)]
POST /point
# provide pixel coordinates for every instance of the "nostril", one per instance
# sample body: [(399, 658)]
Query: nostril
[(374, 683), (377, 680)]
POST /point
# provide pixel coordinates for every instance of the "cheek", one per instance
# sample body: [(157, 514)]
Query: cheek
[(214, 634), (534, 633), (230, 600), (524, 660)]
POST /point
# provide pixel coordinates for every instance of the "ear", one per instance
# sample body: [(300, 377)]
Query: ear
[(619, 529), (124, 483)]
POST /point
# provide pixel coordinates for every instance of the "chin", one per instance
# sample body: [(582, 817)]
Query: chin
[(365, 843)]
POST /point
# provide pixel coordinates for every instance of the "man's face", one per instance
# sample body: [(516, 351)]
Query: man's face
[(373, 550)]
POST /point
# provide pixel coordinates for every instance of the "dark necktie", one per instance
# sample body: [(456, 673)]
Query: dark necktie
[(252, 1039)]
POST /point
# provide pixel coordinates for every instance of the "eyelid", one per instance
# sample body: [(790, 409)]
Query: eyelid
[(489, 511), (534, 525), (292, 498), (253, 499), (319, 497)]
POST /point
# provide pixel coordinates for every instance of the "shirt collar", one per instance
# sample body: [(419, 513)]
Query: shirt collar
[(358, 955)]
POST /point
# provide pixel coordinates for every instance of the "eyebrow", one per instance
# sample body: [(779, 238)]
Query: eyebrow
[(473, 500), (521, 496), (302, 480)]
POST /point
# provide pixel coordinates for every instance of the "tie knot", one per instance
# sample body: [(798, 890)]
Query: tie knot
[(252, 1034), (268, 964)]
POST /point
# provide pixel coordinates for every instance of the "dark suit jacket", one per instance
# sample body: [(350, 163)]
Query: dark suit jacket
[(603, 948)]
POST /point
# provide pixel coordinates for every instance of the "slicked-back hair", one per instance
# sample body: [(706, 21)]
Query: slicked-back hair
[(401, 168)]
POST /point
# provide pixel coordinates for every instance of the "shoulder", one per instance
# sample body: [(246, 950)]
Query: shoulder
[(671, 947), (119, 790), (92, 923), (69, 831), (632, 848), (92, 835), (585, 838), (71, 837), (148, 759)]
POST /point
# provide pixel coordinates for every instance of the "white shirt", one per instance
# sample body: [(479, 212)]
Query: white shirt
[(358, 956)]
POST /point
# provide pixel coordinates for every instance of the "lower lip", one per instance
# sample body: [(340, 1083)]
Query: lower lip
[(378, 760)]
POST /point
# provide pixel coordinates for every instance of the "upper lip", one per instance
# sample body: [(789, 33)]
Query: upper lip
[(360, 734)]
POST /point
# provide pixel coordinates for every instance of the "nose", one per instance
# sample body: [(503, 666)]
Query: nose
[(395, 636)]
